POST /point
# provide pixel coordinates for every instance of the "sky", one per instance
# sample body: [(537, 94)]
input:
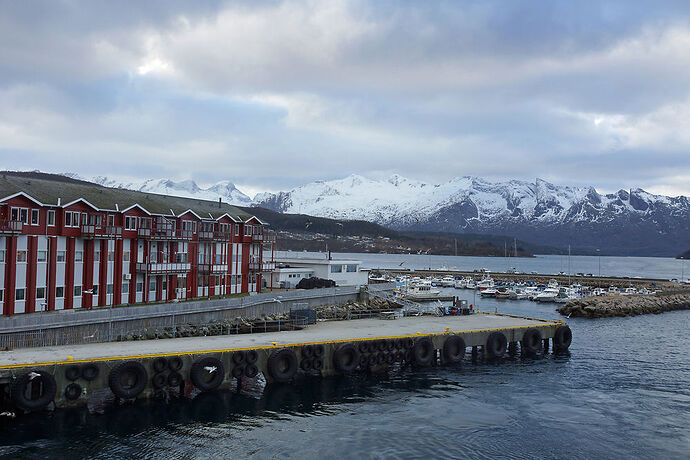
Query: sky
[(275, 94)]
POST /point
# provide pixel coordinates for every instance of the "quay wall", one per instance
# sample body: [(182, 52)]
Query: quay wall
[(70, 327)]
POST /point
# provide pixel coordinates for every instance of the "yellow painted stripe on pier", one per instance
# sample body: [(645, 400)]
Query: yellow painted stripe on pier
[(286, 345)]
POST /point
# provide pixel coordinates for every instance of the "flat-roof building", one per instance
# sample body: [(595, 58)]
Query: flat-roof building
[(291, 268), (66, 243)]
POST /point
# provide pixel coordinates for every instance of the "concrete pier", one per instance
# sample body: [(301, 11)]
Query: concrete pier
[(69, 376)]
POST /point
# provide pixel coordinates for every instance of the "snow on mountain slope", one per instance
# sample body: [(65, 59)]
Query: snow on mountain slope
[(626, 222), (187, 188)]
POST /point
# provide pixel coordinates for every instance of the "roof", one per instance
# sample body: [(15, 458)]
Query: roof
[(305, 261), (49, 188)]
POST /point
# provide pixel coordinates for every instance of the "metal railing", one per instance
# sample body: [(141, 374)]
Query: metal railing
[(11, 226), (171, 267), (101, 231)]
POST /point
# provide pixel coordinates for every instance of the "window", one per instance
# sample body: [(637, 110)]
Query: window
[(111, 256), (2, 255), (130, 223), (97, 256), (72, 219), (125, 288), (351, 268), (21, 256), (84, 218), (336, 268), (237, 230), (125, 256), (95, 289), (78, 256), (140, 286), (51, 218), (42, 256), (19, 294), (40, 293), (59, 292), (1, 293), (111, 220), (34, 217), (247, 230), (77, 291), (20, 214), (181, 258), (152, 285), (60, 256), (109, 289), (165, 284)]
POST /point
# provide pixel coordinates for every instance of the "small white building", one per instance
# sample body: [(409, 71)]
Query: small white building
[(289, 271)]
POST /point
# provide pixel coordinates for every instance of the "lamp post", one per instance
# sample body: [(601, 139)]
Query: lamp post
[(599, 255)]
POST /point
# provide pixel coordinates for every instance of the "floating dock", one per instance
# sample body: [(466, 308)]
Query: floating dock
[(34, 379)]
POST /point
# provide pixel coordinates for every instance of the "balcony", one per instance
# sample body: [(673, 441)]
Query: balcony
[(164, 233), (256, 266), (213, 268), (265, 237), (164, 268), (11, 227), (101, 231)]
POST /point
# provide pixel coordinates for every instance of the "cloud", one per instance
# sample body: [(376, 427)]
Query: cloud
[(272, 94)]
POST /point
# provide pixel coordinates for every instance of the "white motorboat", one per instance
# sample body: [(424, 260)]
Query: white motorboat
[(485, 283), (553, 284), (630, 291), (460, 284), (471, 284), (518, 294), (503, 292), (448, 281), (547, 295), (421, 291), (488, 292)]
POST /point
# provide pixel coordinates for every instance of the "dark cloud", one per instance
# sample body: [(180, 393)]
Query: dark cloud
[(272, 94)]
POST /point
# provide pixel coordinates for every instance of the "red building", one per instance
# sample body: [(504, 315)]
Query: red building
[(72, 244)]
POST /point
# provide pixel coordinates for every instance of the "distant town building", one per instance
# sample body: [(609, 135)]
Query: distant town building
[(72, 244)]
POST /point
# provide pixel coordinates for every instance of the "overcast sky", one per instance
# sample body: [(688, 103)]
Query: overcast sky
[(274, 94)]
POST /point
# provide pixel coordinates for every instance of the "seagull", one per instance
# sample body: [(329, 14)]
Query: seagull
[(401, 263), (210, 369), (33, 375), (308, 224), (90, 336)]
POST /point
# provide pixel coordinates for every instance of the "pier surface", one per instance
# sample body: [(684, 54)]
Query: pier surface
[(322, 332)]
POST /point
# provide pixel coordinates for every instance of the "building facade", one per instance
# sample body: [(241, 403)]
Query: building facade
[(289, 271), (57, 254)]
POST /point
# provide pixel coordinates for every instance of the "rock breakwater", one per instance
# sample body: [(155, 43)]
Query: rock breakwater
[(632, 305)]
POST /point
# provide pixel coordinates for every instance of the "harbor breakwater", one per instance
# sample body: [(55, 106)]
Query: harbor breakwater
[(631, 305)]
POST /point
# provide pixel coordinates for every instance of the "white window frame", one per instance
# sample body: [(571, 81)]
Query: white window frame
[(50, 218), (37, 213)]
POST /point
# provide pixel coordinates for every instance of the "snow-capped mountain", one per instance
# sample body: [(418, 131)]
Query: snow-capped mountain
[(187, 188), (626, 222)]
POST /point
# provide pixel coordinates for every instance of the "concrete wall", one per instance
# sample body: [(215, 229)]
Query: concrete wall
[(102, 325)]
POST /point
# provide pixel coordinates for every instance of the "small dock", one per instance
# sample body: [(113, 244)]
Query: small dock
[(68, 376)]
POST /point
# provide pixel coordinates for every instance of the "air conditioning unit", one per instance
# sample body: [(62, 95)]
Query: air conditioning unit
[(128, 276)]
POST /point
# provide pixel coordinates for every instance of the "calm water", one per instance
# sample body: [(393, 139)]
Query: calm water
[(647, 267), (624, 391)]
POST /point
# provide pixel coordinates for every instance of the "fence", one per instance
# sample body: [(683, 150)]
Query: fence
[(163, 320)]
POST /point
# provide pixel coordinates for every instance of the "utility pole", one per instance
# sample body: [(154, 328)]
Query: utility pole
[(599, 254), (568, 265)]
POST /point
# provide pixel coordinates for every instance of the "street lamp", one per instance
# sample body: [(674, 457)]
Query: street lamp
[(599, 254)]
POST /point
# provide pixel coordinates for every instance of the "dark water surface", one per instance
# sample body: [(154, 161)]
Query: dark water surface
[(623, 392)]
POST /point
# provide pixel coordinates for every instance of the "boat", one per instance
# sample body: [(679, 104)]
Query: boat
[(553, 284), (518, 294), (488, 292), (613, 290), (460, 284), (629, 291), (547, 295), (421, 291), (485, 283), (532, 292), (448, 281), (471, 284), (503, 292)]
